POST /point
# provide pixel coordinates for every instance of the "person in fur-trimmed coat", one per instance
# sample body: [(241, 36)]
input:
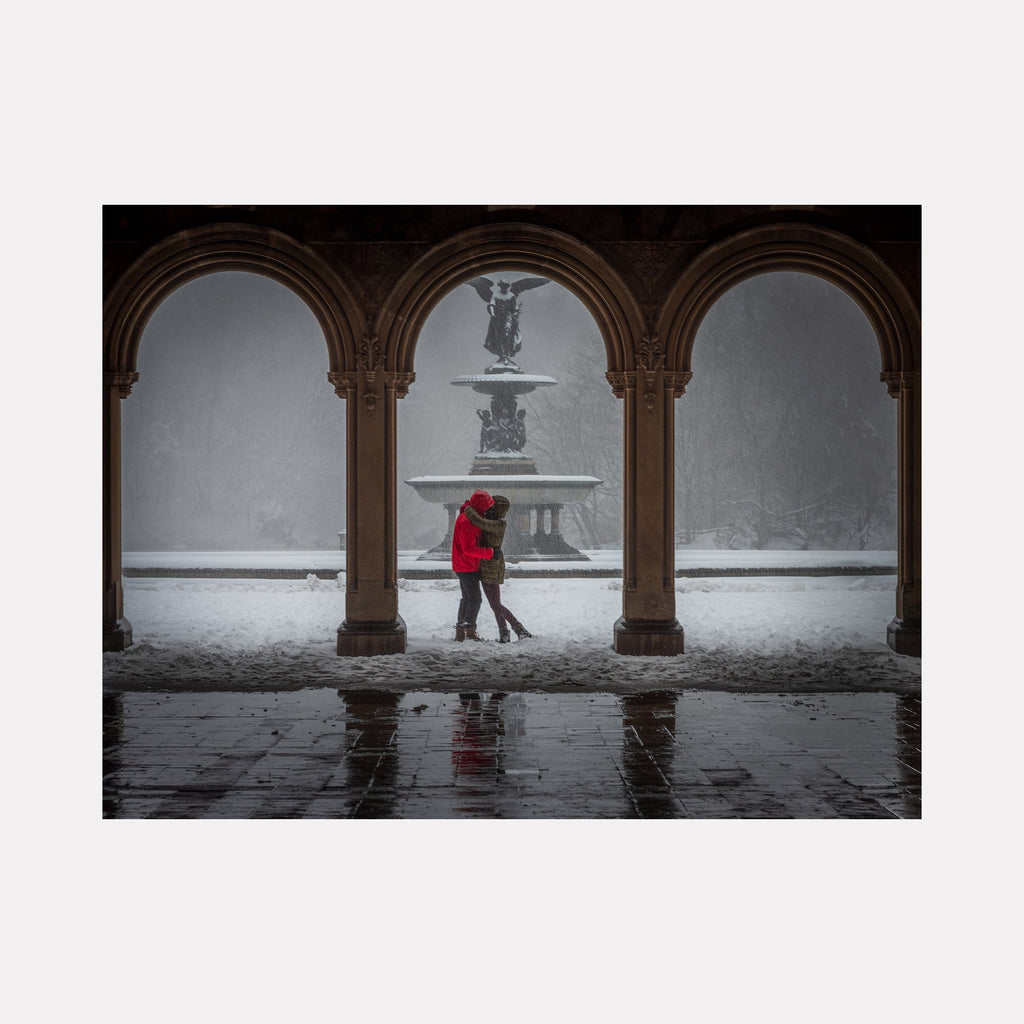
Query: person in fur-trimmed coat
[(492, 571)]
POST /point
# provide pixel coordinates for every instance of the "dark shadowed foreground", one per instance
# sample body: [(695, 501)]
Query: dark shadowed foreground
[(317, 753)]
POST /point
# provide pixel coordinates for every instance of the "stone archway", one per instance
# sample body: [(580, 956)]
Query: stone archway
[(131, 303), (894, 317), (648, 624)]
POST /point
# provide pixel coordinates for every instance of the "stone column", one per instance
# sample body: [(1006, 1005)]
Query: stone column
[(117, 630), (541, 520), (556, 523), (372, 624), (904, 632), (452, 509), (648, 625)]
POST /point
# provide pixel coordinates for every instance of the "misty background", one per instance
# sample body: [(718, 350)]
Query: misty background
[(234, 439)]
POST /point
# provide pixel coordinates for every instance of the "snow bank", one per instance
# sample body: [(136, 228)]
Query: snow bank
[(764, 634)]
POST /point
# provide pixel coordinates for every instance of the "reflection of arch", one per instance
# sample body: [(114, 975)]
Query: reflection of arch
[(892, 314), (522, 247)]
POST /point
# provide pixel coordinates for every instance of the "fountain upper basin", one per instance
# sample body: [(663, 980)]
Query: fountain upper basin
[(519, 488)]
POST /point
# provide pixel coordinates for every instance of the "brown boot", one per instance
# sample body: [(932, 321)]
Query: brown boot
[(521, 631), (460, 632), (471, 634)]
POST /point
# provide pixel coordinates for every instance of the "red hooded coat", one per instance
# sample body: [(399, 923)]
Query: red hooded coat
[(466, 552)]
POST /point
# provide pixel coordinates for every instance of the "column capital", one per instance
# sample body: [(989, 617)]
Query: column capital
[(678, 381), (398, 382), (620, 381), (344, 383), (899, 381), (121, 380)]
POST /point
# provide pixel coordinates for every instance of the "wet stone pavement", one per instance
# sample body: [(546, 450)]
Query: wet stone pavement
[(318, 753)]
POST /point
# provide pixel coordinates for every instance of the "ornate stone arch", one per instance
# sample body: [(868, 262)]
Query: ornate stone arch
[(130, 304), (225, 247), (524, 247), (855, 268), (896, 321)]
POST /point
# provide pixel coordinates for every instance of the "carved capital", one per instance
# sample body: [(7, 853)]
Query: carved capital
[(122, 381), (344, 383), (678, 381), (399, 383), (620, 381), (899, 381)]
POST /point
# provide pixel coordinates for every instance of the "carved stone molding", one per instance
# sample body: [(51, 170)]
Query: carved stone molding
[(620, 381), (650, 358), (370, 357), (375, 265), (399, 383), (898, 381), (678, 381), (344, 383), (649, 259), (122, 381)]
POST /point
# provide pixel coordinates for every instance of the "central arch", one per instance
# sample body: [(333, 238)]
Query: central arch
[(520, 247)]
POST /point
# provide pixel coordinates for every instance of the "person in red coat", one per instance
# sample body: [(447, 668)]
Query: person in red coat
[(466, 558)]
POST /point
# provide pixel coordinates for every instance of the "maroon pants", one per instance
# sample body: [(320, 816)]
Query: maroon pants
[(492, 591)]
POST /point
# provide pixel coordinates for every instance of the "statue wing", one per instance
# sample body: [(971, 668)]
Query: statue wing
[(483, 287), (526, 283)]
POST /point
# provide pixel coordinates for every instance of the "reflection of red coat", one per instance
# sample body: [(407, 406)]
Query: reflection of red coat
[(466, 551)]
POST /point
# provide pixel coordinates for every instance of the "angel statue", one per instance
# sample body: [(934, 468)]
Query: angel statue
[(504, 308)]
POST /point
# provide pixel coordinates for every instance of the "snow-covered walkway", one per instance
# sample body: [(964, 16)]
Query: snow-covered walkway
[(763, 634)]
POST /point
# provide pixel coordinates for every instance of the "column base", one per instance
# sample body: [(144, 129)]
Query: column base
[(368, 639), (118, 636), (639, 637), (904, 637)]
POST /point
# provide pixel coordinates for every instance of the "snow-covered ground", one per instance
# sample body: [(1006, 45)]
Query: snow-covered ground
[(757, 634)]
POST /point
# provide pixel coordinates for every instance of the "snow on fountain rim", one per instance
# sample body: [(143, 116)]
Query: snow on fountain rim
[(533, 379)]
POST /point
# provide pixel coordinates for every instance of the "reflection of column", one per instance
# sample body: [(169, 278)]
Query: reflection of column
[(113, 737), (908, 752), (648, 750), (371, 721)]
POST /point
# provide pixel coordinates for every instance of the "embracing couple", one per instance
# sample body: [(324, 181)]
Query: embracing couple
[(478, 562)]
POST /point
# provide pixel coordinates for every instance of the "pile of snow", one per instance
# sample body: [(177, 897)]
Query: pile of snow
[(762, 634)]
